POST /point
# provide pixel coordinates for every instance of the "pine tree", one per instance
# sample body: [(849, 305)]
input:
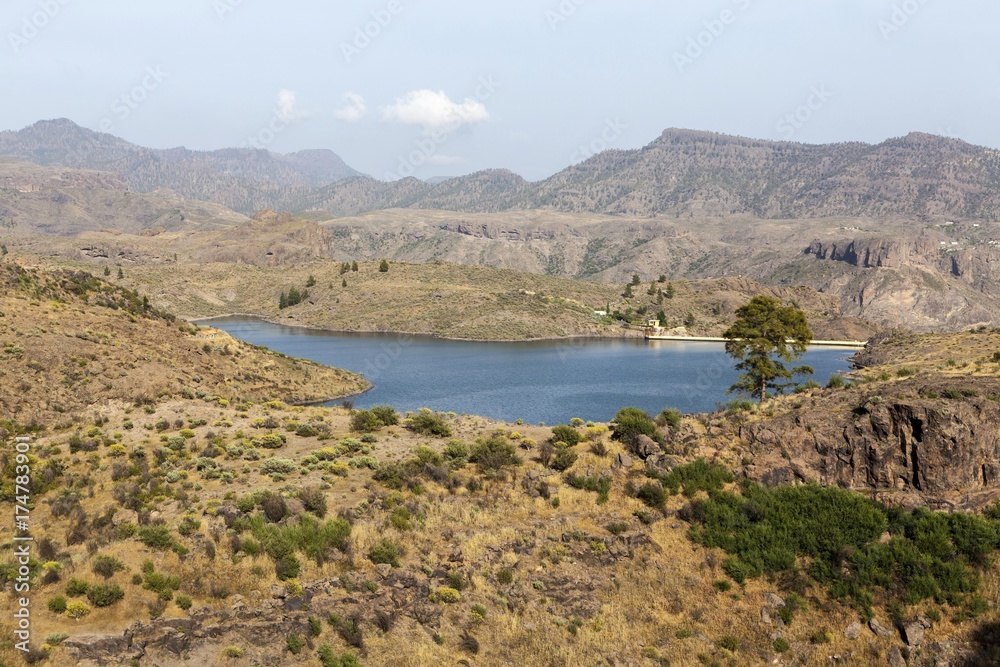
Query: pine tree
[(311, 282), (343, 283), (354, 267), (384, 266), (671, 292), (652, 288), (107, 271), (294, 297), (283, 300), (765, 334), (628, 292)]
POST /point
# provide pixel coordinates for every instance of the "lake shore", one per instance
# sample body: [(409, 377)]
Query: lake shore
[(626, 334)]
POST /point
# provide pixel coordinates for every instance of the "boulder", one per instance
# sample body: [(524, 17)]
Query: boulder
[(295, 506), (913, 633), (853, 631), (880, 630), (646, 447), (623, 461), (896, 658)]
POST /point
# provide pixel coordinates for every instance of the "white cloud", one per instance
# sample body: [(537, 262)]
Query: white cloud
[(354, 111), (288, 106), (435, 111)]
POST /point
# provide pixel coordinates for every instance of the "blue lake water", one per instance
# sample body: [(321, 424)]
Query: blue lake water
[(547, 382)]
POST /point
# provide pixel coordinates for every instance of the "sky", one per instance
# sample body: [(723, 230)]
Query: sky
[(434, 88)]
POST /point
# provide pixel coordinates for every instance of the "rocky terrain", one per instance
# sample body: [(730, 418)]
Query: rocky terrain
[(64, 202), (200, 521), (686, 174)]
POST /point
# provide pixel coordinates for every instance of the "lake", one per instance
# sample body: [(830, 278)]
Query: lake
[(549, 382)]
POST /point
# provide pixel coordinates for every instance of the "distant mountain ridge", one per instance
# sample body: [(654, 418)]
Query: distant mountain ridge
[(683, 173), (242, 179), (687, 173)]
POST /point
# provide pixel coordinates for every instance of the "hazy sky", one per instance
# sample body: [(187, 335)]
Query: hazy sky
[(443, 87)]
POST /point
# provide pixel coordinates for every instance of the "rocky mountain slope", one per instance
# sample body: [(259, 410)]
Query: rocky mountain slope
[(242, 179), (93, 342), (685, 173), (57, 201)]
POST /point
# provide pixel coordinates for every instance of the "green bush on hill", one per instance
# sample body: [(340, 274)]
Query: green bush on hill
[(929, 555)]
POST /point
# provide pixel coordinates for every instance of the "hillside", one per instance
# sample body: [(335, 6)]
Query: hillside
[(174, 528), (242, 179), (686, 174), (57, 201), (453, 301), (72, 342)]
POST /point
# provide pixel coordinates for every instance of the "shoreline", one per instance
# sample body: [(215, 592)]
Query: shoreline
[(194, 320), (638, 334)]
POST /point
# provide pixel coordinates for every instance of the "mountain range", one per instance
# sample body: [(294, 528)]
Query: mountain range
[(242, 179), (681, 174)]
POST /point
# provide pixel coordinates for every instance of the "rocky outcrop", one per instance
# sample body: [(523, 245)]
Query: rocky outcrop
[(910, 450), (872, 253)]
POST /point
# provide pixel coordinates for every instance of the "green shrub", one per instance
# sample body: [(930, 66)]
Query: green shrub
[(652, 493), (105, 595), (314, 500), (930, 555), (671, 417), (385, 552), (426, 422), (567, 434), (294, 644), (328, 658), (630, 423), (456, 454), (183, 602), (728, 643), (57, 604), (156, 537), (369, 421), (76, 588), (835, 382), (315, 626), (280, 466), (697, 476), (564, 459), (780, 645), (107, 566), (617, 528), (494, 454), (599, 484)]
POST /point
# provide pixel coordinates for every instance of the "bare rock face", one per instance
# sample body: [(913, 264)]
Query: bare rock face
[(937, 452)]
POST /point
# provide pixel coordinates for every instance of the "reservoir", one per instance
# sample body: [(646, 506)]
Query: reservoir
[(551, 381)]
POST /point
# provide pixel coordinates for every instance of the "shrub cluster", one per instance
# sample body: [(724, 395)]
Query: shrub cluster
[(930, 555)]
